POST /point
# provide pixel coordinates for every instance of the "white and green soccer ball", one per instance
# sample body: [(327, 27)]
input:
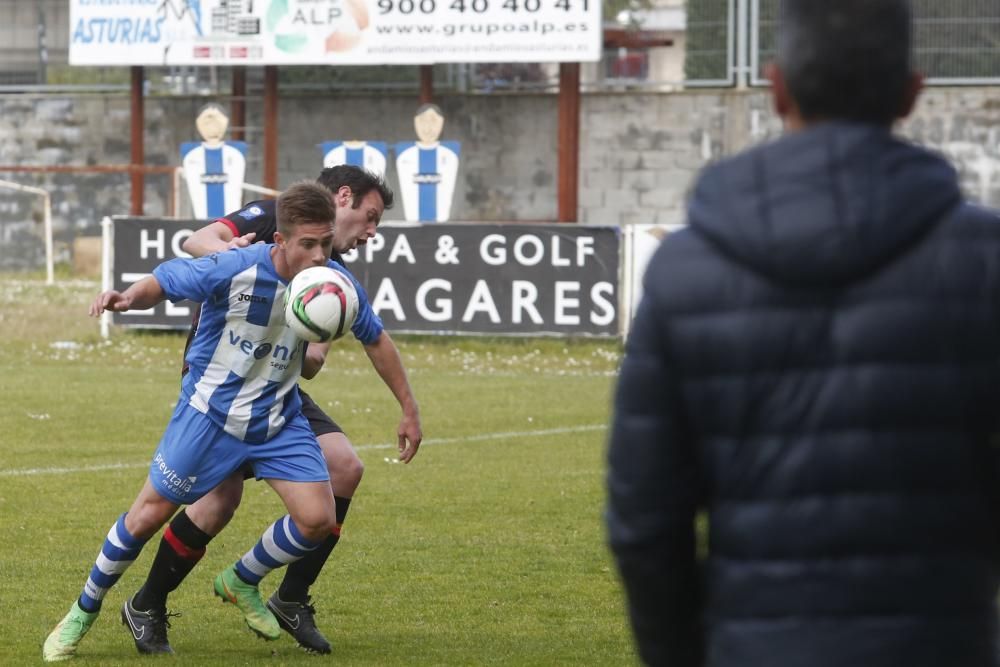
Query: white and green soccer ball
[(320, 304)]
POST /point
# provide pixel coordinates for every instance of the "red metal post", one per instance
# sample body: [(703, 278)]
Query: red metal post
[(138, 153), (271, 127), (426, 84), (239, 106), (568, 143)]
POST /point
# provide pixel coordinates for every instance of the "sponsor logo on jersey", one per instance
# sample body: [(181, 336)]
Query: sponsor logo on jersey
[(209, 179), (173, 482), (252, 298), (251, 213), (278, 352)]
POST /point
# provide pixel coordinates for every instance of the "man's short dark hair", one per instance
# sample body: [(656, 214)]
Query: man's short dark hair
[(846, 59), (303, 203), (360, 181)]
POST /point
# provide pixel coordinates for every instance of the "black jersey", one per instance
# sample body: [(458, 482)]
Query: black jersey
[(261, 218)]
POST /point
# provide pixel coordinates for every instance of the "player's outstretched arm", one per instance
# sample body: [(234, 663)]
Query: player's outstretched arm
[(139, 296), (314, 359), (215, 237), (384, 356)]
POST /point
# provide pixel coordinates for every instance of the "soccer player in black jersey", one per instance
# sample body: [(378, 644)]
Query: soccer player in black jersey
[(360, 198)]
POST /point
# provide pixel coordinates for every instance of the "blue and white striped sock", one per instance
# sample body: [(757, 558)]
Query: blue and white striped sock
[(282, 543), (120, 549)]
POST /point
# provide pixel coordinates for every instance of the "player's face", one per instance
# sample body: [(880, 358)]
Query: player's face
[(308, 245), (356, 225)]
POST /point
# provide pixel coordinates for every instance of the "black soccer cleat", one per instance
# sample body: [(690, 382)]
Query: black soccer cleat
[(148, 628), (298, 620)]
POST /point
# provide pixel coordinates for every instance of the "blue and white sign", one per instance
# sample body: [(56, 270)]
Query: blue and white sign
[(332, 32), (427, 175), (214, 177)]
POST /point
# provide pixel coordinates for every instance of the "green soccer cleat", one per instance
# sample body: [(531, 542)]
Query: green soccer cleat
[(246, 597), (62, 641)]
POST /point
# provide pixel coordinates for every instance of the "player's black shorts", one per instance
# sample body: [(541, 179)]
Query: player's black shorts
[(319, 421)]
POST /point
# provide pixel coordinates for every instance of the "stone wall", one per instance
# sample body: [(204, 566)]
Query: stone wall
[(639, 153)]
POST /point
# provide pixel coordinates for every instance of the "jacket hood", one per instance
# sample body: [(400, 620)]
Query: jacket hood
[(824, 206)]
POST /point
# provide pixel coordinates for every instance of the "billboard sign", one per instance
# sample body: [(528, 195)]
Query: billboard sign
[(521, 279), (139, 246), (492, 278), (332, 32)]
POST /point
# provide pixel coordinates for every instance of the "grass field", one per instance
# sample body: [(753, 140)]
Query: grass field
[(488, 549)]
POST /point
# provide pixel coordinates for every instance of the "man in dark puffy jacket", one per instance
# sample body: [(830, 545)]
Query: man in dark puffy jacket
[(815, 366)]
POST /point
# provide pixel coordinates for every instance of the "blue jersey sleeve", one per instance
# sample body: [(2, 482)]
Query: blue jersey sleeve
[(198, 279), (367, 325)]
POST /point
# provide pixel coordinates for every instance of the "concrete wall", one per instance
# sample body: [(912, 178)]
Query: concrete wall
[(639, 153)]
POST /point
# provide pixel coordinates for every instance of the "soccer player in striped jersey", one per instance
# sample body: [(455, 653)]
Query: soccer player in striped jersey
[(238, 404), (360, 199)]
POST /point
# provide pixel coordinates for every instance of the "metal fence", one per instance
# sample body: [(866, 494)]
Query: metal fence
[(730, 41), (958, 41), (710, 43), (25, 40), (955, 41)]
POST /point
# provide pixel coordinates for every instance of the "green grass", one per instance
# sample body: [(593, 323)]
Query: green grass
[(487, 550)]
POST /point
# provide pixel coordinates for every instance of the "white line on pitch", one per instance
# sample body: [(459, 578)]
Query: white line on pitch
[(28, 472)]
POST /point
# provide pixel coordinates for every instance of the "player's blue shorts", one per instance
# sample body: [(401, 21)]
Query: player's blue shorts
[(195, 454)]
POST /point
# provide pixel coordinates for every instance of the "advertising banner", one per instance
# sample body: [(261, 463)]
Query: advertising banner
[(332, 32), (492, 278), (140, 245), (520, 279)]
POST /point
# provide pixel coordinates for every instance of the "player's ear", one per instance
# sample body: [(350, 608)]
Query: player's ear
[(279, 239), (781, 98), (344, 195), (914, 85)]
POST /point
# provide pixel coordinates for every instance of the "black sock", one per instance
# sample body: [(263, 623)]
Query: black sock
[(181, 547), (301, 574)]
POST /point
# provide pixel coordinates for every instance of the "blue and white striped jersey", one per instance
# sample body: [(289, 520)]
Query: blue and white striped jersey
[(244, 361)]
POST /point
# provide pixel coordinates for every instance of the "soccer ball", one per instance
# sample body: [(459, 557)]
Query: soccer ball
[(320, 304)]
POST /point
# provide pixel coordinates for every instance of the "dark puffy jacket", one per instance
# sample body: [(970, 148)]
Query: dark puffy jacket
[(815, 364)]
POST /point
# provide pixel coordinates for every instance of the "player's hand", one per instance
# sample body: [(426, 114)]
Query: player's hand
[(241, 241), (110, 300), (409, 436)]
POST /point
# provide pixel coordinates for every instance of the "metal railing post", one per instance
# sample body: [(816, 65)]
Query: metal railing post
[(106, 278), (743, 77), (50, 275)]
